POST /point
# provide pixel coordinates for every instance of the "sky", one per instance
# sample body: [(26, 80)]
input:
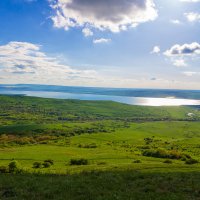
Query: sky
[(101, 43)]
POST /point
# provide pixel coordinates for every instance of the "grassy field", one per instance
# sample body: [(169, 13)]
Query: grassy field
[(109, 185), (99, 150), (19, 109), (108, 150)]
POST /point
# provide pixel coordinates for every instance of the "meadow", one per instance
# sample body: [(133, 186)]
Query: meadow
[(70, 149)]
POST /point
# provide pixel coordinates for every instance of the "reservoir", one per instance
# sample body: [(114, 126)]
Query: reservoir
[(141, 101)]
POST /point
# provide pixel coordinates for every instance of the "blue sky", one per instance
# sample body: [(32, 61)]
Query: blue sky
[(109, 43)]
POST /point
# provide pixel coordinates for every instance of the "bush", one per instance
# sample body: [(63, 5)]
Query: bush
[(3, 169), (137, 161), (37, 165), (168, 161), (49, 161), (191, 161), (79, 161), (101, 163), (183, 158), (143, 147), (162, 153), (148, 140), (89, 146), (14, 167), (46, 164)]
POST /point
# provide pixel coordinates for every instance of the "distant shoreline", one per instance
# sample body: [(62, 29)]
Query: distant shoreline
[(124, 92), (138, 101)]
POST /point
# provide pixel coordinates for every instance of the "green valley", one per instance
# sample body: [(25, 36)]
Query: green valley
[(71, 149)]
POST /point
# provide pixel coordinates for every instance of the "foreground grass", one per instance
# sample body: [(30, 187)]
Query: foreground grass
[(110, 185)]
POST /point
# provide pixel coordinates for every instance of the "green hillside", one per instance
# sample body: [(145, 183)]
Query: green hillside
[(70, 149)]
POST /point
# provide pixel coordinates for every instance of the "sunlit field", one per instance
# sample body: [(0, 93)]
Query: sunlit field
[(101, 144)]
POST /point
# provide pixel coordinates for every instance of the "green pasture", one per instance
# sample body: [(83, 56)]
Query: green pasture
[(114, 149), (101, 150)]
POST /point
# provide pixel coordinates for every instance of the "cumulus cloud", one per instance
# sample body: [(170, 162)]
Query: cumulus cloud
[(101, 40), (28, 59), (156, 50), (183, 50), (87, 32), (104, 14), (192, 16), (178, 54)]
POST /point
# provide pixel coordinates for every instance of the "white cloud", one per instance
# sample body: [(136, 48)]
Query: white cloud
[(27, 60), (183, 50), (101, 40), (179, 63), (190, 1), (156, 50), (178, 54), (192, 16), (102, 14), (87, 32), (175, 21), (191, 73)]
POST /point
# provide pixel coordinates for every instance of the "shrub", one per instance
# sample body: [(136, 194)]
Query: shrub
[(183, 158), (37, 165), (186, 156), (101, 163), (144, 147), (14, 167), (162, 153), (89, 146), (49, 161), (148, 140), (191, 161), (168, 161), (137, 161), (3, 169), (79, 161), (92, 146), (46, 164)]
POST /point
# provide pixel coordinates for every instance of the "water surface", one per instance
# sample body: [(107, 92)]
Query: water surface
[(142, 101)]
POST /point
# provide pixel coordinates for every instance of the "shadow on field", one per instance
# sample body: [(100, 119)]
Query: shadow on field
[(113, 185)]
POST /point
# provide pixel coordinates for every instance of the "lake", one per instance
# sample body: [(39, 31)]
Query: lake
[(142, 101)]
